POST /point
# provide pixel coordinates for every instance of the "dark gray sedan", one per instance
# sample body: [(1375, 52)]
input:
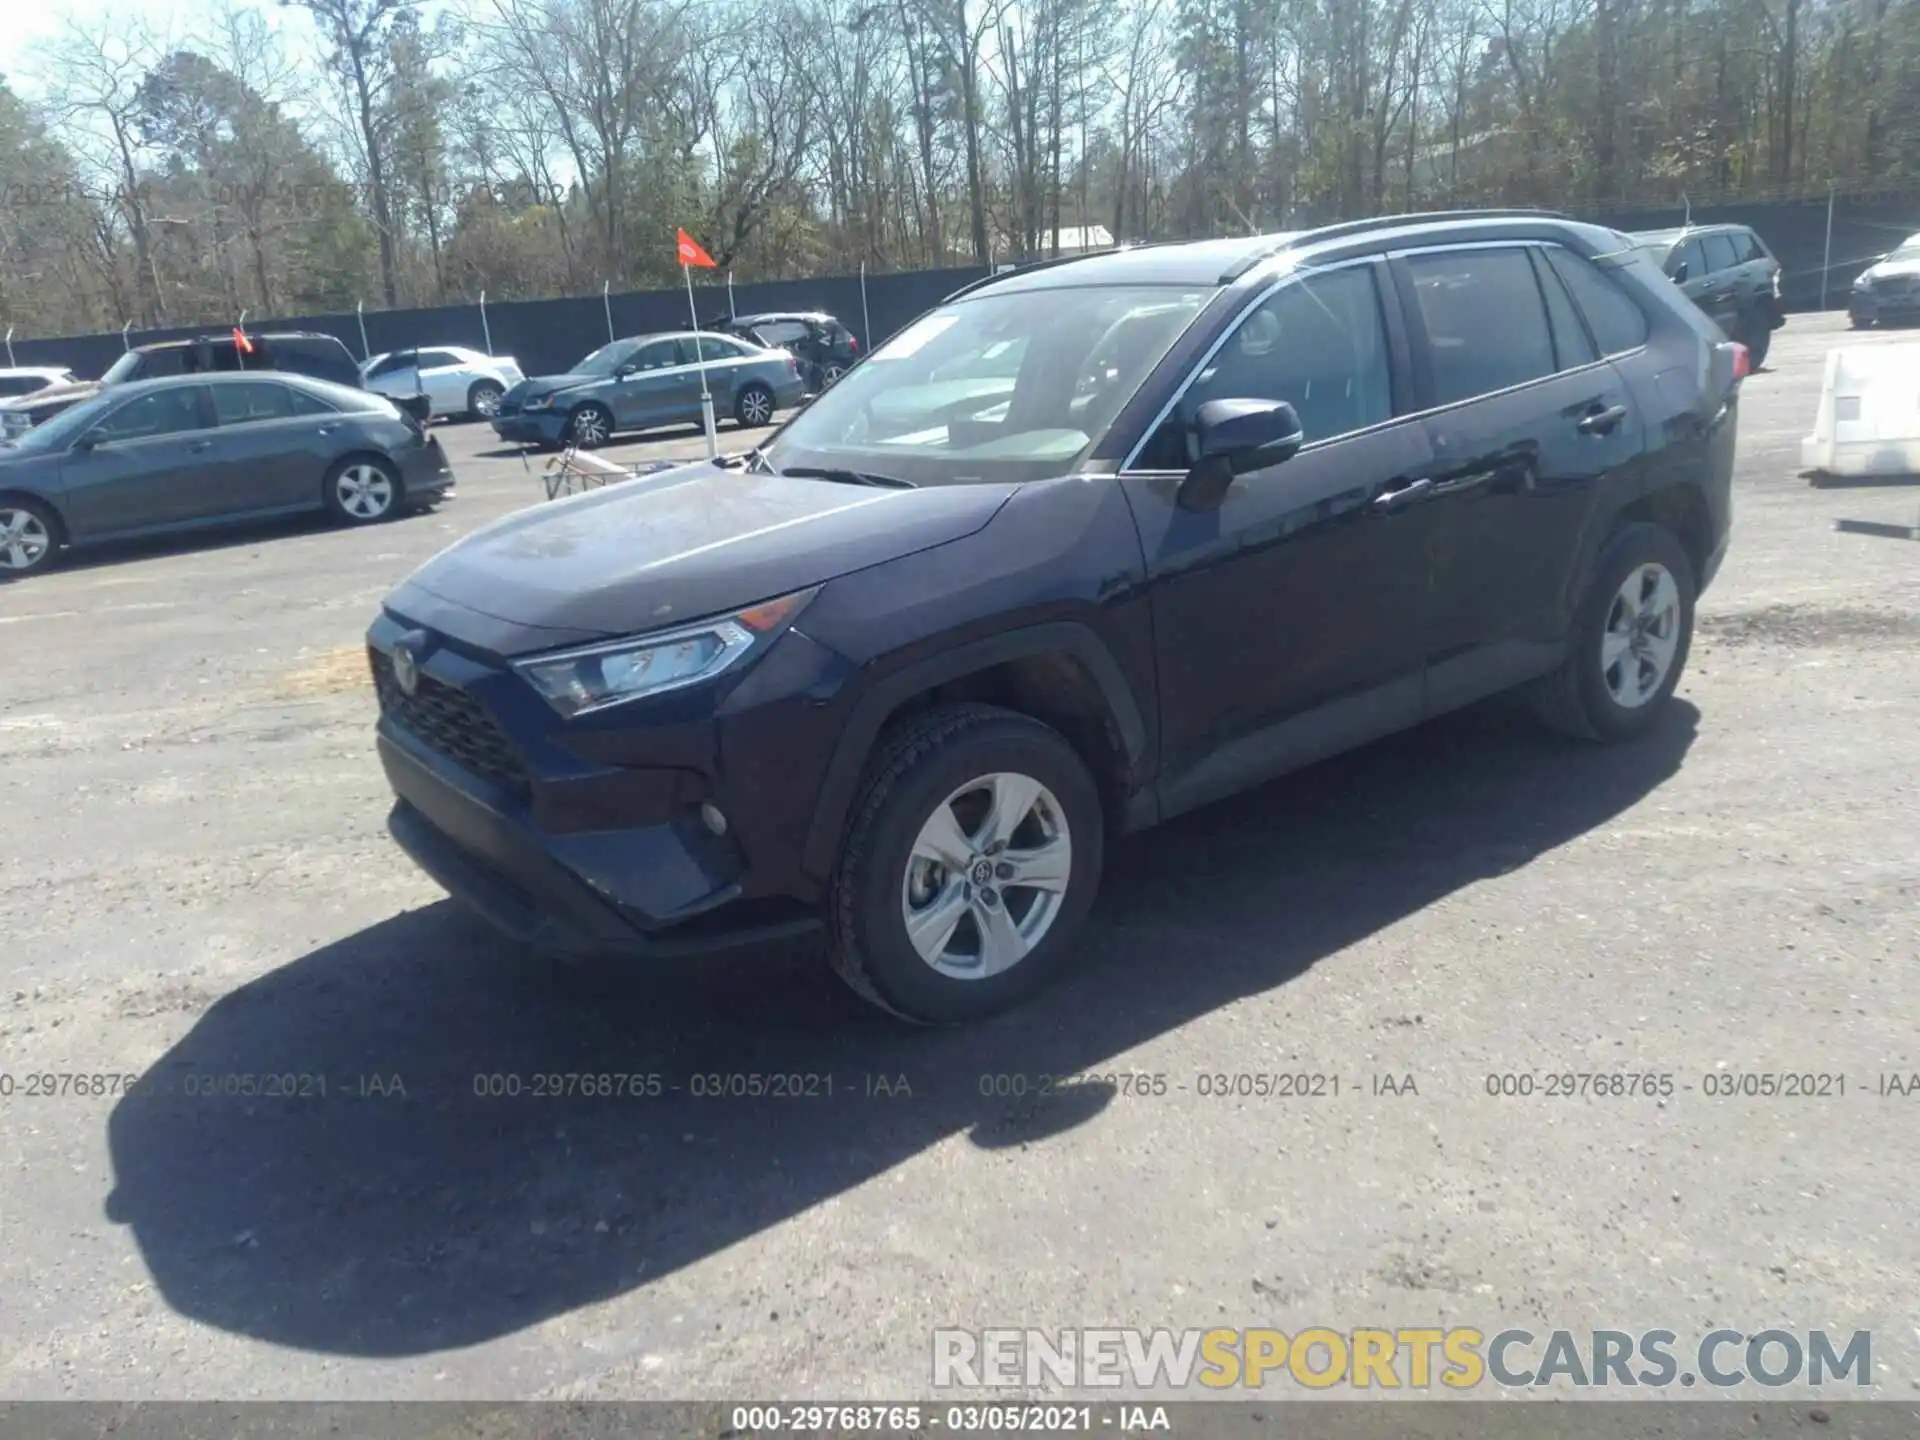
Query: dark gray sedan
[(650, 380), (157, 456)]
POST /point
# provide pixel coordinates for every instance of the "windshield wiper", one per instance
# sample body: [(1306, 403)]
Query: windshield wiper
[(847, 477)]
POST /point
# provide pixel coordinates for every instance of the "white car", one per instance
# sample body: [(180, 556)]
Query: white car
[(25, 379), (455, 380)]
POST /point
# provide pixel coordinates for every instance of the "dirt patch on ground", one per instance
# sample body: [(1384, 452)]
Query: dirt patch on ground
[(334, 672), (1812, 627)]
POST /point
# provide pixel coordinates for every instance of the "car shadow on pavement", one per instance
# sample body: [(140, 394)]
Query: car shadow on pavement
[(372, 1223)]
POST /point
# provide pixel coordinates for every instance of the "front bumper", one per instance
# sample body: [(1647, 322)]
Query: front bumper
[(1868, 307), (536, 426), (522, 884)]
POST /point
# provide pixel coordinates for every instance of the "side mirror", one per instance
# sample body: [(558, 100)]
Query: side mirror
[(84, 443), (624, 371), (1680, 273), (1237, 436)]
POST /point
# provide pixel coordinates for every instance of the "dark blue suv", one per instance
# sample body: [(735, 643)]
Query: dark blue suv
[(1087, 546)]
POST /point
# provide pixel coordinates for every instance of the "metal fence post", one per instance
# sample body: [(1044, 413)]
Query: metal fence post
[(1826, 259), (484, 328), (9, 345), (125, 344), (866, 315), (606, 299), (360, 313)]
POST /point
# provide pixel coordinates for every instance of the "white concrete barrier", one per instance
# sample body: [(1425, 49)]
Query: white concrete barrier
[(1869, 417)]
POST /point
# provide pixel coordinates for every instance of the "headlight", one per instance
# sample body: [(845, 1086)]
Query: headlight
[(578, 682), (1865, 282), (539, 402)]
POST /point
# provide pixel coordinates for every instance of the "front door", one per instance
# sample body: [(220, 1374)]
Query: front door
[(1287, 622), (141, 465), (1526, 419), (653, 390)]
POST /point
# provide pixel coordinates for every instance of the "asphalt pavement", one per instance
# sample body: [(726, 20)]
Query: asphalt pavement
[(196, 889)]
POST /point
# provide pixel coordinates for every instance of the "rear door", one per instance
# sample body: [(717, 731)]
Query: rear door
[(272, 449), (142, 464), (1526, 419)]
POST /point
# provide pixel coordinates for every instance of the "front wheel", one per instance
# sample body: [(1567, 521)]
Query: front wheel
[(29, 537), (970, 865), (590, 427), (362, 490), (1629, 642)]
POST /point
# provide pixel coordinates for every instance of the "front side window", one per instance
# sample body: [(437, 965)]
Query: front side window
[(656, 355), (161, 412), (1318, 343), (263, 400), (1720, 252), (998, 387), (715, 347), (607, 359), (437, 359), (1693, 257), (1485, 320)]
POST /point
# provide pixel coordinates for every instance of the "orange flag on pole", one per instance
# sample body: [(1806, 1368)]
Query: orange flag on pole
[(692, 254)]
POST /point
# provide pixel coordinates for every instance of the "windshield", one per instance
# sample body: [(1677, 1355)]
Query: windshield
[(999, 388), (604, 360), (58, 430), (122, 368)]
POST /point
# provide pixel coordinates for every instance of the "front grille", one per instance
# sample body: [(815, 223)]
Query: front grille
[(449, 720)]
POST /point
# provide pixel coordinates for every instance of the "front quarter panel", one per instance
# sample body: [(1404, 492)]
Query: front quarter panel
[(1058, 570)]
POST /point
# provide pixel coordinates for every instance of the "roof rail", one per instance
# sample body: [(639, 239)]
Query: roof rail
[(1376, 222)]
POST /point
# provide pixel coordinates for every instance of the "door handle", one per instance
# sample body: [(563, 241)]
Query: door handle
[(1392, 500), (327, 429), (1603, 421), (198, 445)]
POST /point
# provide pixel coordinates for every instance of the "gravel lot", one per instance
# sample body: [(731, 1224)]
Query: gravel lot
[(195, 881)]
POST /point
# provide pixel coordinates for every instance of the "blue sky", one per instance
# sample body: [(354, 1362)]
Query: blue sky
[(31, 22)]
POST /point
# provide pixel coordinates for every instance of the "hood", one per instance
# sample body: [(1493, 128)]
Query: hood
[(1887, 269), (676, 546), (549, 384), (57, 396)]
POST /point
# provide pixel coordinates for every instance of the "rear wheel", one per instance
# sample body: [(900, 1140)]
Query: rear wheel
[(1629, 643), (362, 490), (753, 407), (590, 427), (970, 865), (831, 372), (29, 536)]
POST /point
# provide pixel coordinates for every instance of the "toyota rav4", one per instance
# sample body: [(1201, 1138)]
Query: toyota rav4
[(1089, 545)]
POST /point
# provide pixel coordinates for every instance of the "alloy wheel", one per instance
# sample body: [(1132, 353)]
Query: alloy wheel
[(364, 491), (1642, 635), (589, 427), (24, 540), (486, 401), (987, 876), (756, 407)]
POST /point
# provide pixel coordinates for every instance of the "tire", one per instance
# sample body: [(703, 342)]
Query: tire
[(30, 537), (364, 490), (483, 399), (590, 426), (753, 406), (831, 372), (1584, 697), (929, 763)]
